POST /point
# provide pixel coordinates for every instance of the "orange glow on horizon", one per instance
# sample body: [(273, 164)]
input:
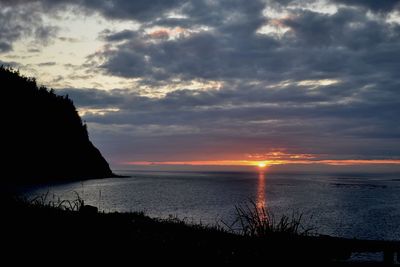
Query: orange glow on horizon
[(263, 164), (197, 163)]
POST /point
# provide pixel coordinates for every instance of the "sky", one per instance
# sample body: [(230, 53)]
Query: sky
[(220, 82)]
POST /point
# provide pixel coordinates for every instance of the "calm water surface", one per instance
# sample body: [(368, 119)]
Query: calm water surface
[(346, 205)]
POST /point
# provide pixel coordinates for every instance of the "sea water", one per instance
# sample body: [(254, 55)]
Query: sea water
[(356, 205)]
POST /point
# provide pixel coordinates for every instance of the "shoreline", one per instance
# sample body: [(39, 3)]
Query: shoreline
[(171, 240)]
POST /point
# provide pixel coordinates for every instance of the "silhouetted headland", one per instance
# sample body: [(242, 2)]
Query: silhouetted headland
[(44, 138)]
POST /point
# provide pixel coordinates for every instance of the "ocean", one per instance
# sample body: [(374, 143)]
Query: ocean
[(353, 205)]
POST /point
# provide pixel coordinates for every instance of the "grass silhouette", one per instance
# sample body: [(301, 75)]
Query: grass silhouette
[(254, 221), (135, 237)]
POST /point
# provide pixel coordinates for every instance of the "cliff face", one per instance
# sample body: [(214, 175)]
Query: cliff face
[(43, 137)]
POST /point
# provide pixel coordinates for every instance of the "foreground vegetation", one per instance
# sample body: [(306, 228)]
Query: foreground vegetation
[(74, 231)]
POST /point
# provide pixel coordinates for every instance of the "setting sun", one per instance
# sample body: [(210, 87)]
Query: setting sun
[(261, 165)]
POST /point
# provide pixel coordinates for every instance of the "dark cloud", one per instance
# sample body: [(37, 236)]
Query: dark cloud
[(380, 6), (12, 64), (5, 47), (94, 98), (203, 55), (140, 10), (33, 50), (68, 39), (17, 22), (220, 120), (239, 16), (347, 43), (47, 64), (327, 84), (109, 36), (270, 96), (348, 28)]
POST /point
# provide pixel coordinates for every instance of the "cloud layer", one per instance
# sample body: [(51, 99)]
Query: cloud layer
[(227, 79), (19, 22)]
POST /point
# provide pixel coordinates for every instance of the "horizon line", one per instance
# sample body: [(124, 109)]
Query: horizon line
[(249, 163)]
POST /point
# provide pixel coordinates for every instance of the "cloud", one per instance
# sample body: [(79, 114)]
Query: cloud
[(68, 39), (47, 64), (17, 22), (268, 75), (379, 6), (345, 44), (110, 36), (5, 47), (12, 64), (348, 28), (274, 89), (140, 10), (33, 50), (231, 122)]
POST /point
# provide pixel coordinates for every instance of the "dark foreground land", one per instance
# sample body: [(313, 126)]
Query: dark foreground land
[(75, 233)]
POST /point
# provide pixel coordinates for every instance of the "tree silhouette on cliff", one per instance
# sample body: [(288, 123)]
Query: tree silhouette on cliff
[(43, 137)]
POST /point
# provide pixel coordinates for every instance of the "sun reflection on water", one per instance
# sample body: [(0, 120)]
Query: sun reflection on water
[(261, 190)]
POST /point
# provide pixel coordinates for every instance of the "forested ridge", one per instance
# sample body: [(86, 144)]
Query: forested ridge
[(44, 138)]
